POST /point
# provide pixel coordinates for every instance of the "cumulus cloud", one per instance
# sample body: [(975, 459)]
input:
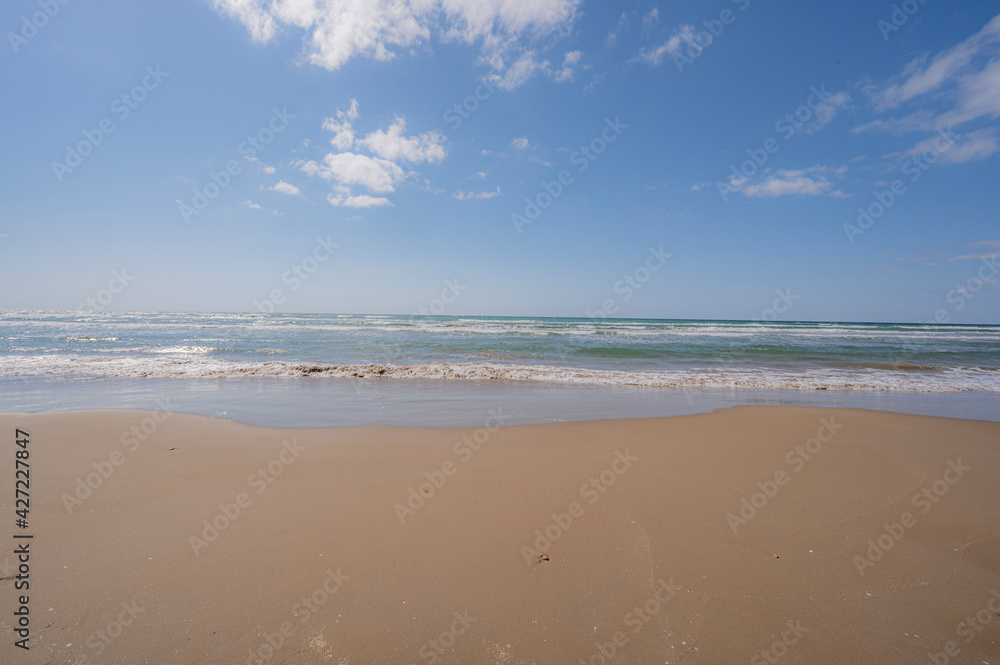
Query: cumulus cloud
[(338, 30), (523, 68), (350, 168), (521, 143), (251, 14), (390, 162), (391, 144), (341, 124), (283, 187), (508, 76)]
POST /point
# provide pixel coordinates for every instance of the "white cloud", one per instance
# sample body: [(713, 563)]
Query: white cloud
[(526, 66), (925, 74), (813, 181), (338, 30), (651, 20), (965, 76), (652, 56), (971, 147), (538, 160), (341, 124), (684, 35), (520, 143), (285, 188), (348, 168), (465, 196), (259, 164), (391, 144), (978, 96), (360, 201), (787, 182), (567, 71), (957, 85), (250, 13), (393, 154), (918, 121), (250, 204), (828, 109)]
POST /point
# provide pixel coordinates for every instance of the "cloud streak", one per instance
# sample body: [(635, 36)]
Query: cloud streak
[(813, 181), (966, 76)]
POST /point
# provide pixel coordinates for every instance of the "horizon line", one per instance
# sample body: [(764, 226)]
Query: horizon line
[(4, 311)]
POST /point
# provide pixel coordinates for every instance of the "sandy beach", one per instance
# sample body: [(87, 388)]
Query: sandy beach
[(752, 534)]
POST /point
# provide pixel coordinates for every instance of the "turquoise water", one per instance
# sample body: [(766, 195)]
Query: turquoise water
[(617, 352)]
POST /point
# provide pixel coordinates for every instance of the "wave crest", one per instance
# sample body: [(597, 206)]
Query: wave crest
[(906, 380)]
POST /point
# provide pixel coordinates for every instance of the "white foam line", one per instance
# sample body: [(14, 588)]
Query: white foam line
[(948, 380)]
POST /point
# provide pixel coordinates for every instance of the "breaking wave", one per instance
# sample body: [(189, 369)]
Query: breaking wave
[(905, 379)]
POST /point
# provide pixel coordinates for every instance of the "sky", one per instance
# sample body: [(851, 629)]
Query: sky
[(731, 159)]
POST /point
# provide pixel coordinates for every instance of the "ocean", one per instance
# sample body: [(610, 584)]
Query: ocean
[(71, 359)]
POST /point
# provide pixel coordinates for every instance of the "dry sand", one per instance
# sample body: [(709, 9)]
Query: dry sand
[(644, 566)]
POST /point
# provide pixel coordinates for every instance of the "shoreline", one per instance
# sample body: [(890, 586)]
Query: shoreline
[(623, 420), (393, 544), (336, 402)]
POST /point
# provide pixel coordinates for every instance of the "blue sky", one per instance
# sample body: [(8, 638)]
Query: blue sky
[(423, 139)]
